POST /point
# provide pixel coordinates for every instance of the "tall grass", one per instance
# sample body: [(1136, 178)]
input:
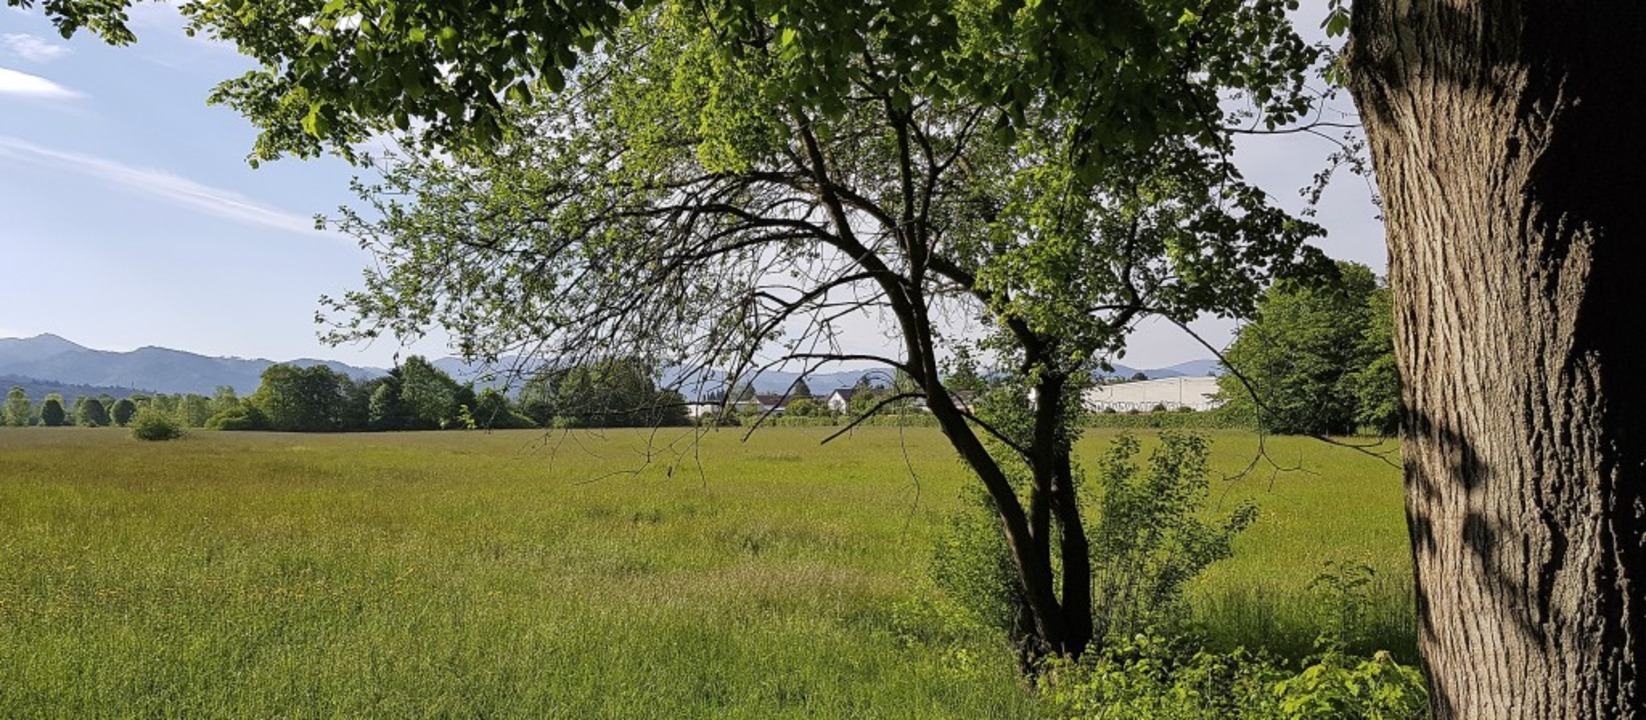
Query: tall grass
[(513, 574)]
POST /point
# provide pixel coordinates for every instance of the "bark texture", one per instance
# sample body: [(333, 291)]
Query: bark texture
[(1508, 143)]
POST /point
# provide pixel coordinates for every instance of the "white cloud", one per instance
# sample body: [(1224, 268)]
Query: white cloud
[(21, 84), (33, 48), (179, 191)]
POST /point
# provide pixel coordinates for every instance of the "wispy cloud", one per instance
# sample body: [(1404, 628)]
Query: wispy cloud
[(33, 48), (165, 186), (16, 83)]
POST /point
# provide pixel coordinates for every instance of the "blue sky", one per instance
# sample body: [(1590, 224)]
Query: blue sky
[(129, 217)]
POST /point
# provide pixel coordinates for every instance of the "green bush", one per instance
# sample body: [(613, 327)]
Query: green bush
[(1149, 534), (1151, 679), (241, 416), (154, 425), (804, 407)]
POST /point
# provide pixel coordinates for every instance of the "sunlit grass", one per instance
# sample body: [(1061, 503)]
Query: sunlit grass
[(468, 574)]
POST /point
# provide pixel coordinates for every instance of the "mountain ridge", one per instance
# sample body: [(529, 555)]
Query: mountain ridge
[(49, 358)]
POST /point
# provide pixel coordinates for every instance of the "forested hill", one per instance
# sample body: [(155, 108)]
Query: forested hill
[(38, 389), (52, 358)]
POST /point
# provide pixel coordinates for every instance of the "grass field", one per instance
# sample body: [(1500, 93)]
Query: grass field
[(509, 574)]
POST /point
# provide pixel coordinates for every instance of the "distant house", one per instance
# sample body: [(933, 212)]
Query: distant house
[(773, 403), (1195, 393), (840, 400), (699, 410)]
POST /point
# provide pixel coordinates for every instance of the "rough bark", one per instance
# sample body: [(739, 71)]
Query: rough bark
[(1506, 144)]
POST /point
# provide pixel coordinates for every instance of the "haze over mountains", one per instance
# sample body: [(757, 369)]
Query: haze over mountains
[(72, 369)]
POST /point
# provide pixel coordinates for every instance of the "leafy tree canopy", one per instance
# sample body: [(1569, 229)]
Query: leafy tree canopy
[(294, 399), (52, 413), (18, 411), (122, 410), (1320, 358), (92, 413)]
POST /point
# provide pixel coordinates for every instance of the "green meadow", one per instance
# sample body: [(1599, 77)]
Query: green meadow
[(611, 574)]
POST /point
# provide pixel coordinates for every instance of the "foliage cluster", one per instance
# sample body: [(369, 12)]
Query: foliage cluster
[(1149, 533), (1319, 357), (153, 424), (18, 411), (620, 392), (1148, 678)]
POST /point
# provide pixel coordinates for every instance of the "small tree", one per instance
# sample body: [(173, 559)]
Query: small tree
[(240, 416), (52, 413), (536, 399), (385, 411), (1149, 532), (428, 396), (194, 410), (804, 407), (92, 412), (716, 173), (963, 375), (155, 424), (123, 411), (18, 411), (864, 399), (224, 398)]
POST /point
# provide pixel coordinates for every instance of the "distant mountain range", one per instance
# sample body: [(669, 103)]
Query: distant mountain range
[(153, 369), (71, 369)]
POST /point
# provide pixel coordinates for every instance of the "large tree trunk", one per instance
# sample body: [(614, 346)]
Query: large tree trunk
[(1508, 144)]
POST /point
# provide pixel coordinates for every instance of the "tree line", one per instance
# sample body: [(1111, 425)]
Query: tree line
[(416, 395), (105, 410)]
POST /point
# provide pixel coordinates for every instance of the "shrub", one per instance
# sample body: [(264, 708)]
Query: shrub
[(1149, 536), (1151, 679), (154, 425), (241, 416), (804, 407)]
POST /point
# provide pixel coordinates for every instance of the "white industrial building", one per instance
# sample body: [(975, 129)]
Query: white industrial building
[(1195, 393)]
